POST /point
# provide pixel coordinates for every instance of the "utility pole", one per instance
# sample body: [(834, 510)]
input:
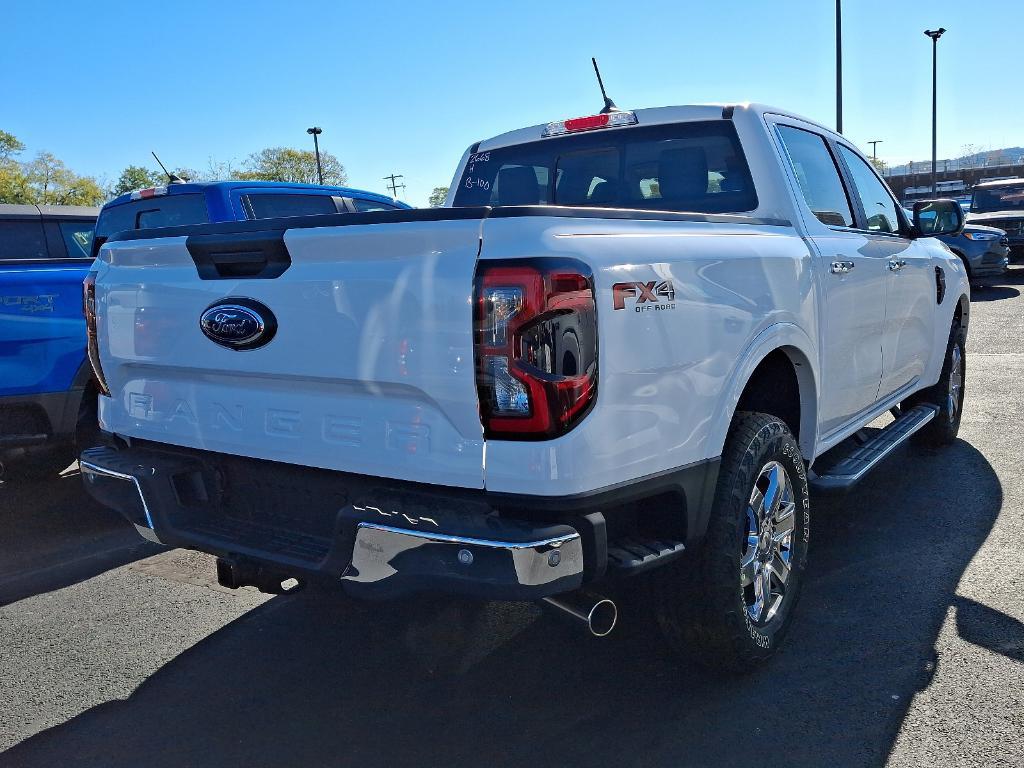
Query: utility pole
[(934, 34), (874, 148), (315, 132), (393, 186), (839, 66)]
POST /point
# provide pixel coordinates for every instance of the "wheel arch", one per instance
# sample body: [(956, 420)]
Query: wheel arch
[(963, 259), (962, 311), (759, 381)]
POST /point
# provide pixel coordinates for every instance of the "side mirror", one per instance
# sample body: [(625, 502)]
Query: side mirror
[(938, 217)]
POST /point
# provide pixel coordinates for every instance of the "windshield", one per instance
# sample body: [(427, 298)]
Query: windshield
[(1009, 198), (696, 166)]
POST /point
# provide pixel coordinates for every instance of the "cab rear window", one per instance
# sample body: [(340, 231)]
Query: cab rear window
[(280, 205), (22, 239), (161, 211), (77, 238), (366, 206), (696, 166)]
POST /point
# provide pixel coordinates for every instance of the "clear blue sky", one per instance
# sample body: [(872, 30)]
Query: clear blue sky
[(404, 87)]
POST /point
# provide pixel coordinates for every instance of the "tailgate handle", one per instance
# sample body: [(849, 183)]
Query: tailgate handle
[(249, 255)]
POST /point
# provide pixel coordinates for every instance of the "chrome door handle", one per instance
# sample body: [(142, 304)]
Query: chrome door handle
[(895, 265), (842, 267)]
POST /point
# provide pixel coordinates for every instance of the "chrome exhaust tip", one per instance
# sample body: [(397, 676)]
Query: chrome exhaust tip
[(599, 613)]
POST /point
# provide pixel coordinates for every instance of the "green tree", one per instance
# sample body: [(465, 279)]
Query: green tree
[(14, 184), (53, 183), (185, 174), (80, 190), (437, 197), (9, 145), (136, 177), (294, 165)]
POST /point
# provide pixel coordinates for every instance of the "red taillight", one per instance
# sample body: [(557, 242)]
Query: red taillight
[(89, 308), (586, 123), (536, 346)]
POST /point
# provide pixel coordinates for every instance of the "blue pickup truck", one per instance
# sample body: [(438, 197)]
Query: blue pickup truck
[(47, 395)]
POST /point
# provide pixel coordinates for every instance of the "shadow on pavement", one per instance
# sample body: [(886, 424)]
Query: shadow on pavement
[(993, 293), (990, 629), (53, 535), (1001, 288), (311, 679)]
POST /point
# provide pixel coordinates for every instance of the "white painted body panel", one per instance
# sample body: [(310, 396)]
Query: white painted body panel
[(664, 374), (371, 370)]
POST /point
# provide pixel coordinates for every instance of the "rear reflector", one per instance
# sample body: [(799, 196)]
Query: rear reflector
[(590, 123)]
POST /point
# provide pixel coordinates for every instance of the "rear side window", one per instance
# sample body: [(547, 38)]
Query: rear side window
[(817, 175), (22, 239), (277, 205), (697, 166), (160, 211), (77, 238), (364, 206)]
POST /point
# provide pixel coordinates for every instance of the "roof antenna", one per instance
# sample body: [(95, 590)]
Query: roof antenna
[(609, 105), (171, 178)]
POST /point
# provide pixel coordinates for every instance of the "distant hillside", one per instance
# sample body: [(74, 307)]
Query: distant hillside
[(978, 159)]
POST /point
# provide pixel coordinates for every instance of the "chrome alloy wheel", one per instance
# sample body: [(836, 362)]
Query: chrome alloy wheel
[(768, 551), (956, 382)]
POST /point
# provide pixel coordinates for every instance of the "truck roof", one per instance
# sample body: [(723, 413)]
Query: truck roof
[(11, 211), (656, 116), (226, 186), (1016, 180)]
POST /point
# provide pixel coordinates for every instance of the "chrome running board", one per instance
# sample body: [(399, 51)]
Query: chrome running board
[(849, 470)]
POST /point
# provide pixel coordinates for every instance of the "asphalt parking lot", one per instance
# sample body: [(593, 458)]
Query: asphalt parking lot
[(908, 649)]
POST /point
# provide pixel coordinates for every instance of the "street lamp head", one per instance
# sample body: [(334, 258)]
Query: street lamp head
[(935, 34), (314, 131)]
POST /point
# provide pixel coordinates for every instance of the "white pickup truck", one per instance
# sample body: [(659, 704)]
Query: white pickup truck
[(630, 342)]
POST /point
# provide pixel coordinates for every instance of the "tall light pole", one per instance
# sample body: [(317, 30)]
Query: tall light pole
[(315, 132), (875, 154), (839, 66), (934, 34)]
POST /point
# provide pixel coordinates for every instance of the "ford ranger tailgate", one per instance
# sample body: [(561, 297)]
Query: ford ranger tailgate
[(361, 356)]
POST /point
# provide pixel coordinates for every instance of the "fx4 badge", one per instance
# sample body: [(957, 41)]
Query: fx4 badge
[(657, 294)]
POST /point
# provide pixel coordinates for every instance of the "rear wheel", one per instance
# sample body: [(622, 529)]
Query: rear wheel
[(736, 603), (49, 461), (41, 465)]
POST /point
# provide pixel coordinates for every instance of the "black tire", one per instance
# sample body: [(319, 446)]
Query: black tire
[(41, 465), (47, 462), (943, 429), (703, 606), (87, 428)]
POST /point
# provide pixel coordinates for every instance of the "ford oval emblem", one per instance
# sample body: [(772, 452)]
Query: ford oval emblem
[(238, 323)]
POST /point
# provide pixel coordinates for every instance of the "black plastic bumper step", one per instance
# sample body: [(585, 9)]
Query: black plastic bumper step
[(849, 470), (633, 554), (276, 541)]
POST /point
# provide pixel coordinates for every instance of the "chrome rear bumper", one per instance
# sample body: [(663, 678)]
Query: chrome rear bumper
[(384, 553), (389, 541)]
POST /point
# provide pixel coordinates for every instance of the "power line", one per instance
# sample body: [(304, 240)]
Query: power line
[(394, 186)]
